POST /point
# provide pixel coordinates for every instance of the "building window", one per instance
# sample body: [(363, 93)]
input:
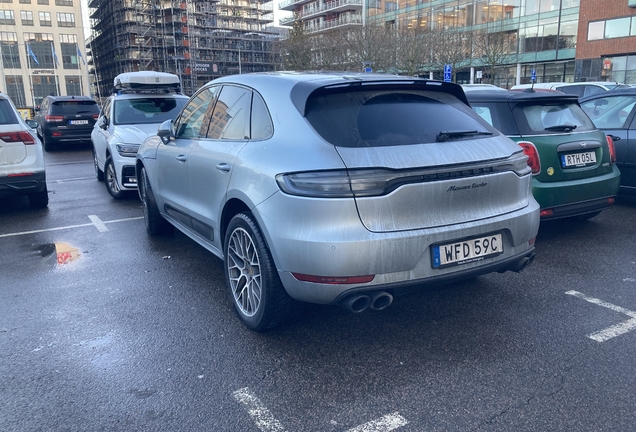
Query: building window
[(45, 19), (15, 90), (7, 17), (41, 46), (25, 1), (10, 50), (43, 85), (610, 29), (6, 1), (64, 2), (596, 30), (617, 28), (73, 85), (26, 17), (43, 2), (68, 45), (65, 19)]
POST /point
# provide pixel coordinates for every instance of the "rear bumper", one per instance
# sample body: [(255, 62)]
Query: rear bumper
[(22, 185), (577, 197), (67, 135)]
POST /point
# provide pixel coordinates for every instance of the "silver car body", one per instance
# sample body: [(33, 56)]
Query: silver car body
[(198, 184)]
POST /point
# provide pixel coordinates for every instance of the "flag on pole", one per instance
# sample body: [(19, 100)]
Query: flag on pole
[(54, 54), (79, 54), (30, 51)]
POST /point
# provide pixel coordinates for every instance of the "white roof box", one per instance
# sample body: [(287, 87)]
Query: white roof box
[(146, 81)]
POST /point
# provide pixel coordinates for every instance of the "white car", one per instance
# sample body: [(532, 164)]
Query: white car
[(21, 157), (140, 103)]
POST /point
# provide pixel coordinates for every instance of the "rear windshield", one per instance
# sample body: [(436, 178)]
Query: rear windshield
[(7, 115), (74, 107), (556, 118), (376, 118), (147, 110)]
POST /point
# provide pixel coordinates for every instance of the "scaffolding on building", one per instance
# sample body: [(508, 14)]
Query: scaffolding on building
[(199, 40)]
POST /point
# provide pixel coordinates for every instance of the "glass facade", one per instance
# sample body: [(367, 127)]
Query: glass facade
[(545, 30)]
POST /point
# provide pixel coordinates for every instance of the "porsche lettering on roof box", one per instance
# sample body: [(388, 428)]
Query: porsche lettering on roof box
[(146, 81)]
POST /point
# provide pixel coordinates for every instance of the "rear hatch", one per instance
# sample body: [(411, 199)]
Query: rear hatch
[(12, 136), (74, 115), (570, 146), (419, 158)]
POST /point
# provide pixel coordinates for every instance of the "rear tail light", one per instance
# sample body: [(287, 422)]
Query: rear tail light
[(546, 212), (612, 149), (533, 156), (54, 119), (95, 116), (20, 136)]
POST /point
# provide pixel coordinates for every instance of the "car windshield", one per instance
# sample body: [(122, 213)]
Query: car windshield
[(147, 110), (7, 115), (392, 117), (74, 107), (553, 118)]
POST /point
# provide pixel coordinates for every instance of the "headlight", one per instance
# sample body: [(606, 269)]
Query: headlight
[(127, 150)]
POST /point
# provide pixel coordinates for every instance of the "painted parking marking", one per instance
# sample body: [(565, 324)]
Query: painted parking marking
[(613, 331), (72, 179), (384, 424), (101, 226), (70, 227), (267, 423), (259, 412)]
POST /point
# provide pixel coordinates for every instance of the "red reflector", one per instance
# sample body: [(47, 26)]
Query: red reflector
[(56, 134), (54, 119), (611, 200), (612, 149), (533, 156), (20, 174), (546, 212), (333, 279), (21, 136), (532, 240)]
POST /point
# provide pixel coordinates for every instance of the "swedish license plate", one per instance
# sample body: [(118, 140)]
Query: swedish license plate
[(78, 122), (578, 159), (467, 251)]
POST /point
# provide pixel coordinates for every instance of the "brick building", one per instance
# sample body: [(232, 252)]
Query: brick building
[(606, 45)]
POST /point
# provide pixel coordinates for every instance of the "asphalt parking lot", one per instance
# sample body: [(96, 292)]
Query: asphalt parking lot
[(123, 332)]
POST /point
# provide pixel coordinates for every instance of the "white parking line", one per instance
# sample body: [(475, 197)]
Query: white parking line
[(101, 227), (259, 413), (72, 179), (610, 332), (92, 223), (384, 424), (267, 423)]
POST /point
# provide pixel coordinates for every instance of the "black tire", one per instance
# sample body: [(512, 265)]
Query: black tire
[(39, 200), (99, 174), (110, 177), (155, 223), (249, 279), (48, 145)]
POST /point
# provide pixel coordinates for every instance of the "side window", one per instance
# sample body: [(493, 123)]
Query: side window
[(262, 127), (484, 112), (106, 109), (192, 118), (231, 117), (592, 90), (573, 90), (610, 112)]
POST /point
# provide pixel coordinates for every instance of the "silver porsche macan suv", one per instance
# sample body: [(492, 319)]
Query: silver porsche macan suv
[(338, 188)]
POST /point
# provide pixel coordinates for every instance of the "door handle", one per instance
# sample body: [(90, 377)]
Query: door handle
[(182, 158), (223, 167)]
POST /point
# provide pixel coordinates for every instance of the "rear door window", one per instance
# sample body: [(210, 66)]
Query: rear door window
[(377, 118), (551, 118)]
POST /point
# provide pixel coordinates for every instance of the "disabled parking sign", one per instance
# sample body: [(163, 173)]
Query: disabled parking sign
[(448, 69)]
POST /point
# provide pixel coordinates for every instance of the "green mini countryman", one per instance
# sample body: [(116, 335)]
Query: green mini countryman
[(572, 161)]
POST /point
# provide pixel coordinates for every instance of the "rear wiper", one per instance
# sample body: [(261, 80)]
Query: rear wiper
[(564, 127), (446, 135)]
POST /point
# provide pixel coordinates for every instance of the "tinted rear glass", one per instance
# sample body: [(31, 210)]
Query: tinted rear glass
[(375, 118), (147, 110), (533, 119), (7, 115), (74, 107)]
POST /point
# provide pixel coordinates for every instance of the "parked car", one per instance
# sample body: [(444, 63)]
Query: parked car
[(477, 87), (579, 89), (22, 171), (573, 163), (338, 188), (141, 101), (66, 119), (614, 113)]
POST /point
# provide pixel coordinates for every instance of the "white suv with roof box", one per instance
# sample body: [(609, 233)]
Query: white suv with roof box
[(141, 101), (21, 157)]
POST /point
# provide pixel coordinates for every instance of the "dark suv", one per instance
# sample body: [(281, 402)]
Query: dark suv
[(66, 119)]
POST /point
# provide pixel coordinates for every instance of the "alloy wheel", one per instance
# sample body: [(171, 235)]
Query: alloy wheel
[(244, 272)]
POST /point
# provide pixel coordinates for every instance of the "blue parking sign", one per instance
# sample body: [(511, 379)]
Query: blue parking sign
[(533, 75), (448, 70)]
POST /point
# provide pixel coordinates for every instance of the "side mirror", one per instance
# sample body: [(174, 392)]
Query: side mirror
[(36, 109), (32, 124), (103, 122), (166, 131)]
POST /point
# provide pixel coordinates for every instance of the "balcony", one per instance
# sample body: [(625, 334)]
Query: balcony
[(342, 21), (332, 6), (290, 5)]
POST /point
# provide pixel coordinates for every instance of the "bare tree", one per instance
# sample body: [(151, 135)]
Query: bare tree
[(360, 45), (413, 49), (494, 50), (450, 46), (296, 50)]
